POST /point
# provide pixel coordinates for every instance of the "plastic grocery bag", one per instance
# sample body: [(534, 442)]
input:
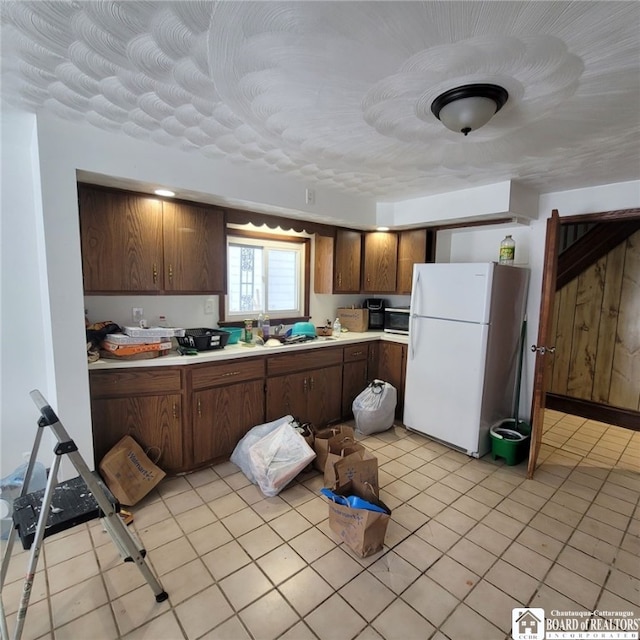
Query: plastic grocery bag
[(278, 458), (374, 409), (240, 455)]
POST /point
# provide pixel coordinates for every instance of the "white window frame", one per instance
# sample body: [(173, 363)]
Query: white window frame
[(300, 245)]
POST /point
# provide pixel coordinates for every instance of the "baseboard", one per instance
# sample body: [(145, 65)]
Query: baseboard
[(594, 411)]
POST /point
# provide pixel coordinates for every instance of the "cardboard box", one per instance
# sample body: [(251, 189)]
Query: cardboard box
[(354, 319)]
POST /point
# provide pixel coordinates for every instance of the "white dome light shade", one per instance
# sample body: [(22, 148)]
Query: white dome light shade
[(470, 107)]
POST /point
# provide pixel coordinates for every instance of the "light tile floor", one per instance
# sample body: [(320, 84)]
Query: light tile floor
[(468, 541)]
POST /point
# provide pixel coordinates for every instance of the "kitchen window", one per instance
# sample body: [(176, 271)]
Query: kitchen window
[(266, 274)]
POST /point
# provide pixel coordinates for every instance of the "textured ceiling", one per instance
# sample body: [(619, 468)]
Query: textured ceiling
[(339, 93)]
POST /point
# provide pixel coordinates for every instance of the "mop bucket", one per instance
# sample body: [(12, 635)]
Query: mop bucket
[(510, 441)]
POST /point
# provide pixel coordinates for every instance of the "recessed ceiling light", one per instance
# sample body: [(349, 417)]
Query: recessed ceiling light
[(164, 192), (383, 229)]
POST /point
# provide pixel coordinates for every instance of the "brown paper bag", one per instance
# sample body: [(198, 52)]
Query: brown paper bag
[(128, 472), (353, 459), (321, 443), (363, 531), (360, 466)]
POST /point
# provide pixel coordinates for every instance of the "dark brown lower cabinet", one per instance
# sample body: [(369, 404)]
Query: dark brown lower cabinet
[(145, 404), (222, 416), (392, 367), (311, 396), (227, 399), (193, 415), (355, 375)]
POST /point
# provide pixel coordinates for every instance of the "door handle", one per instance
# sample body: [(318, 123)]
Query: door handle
[(542, 350)]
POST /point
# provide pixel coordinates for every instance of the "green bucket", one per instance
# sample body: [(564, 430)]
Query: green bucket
[(510, 441)]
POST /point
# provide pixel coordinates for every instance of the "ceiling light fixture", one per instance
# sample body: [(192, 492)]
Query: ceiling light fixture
[(469, 107), (164, 192)]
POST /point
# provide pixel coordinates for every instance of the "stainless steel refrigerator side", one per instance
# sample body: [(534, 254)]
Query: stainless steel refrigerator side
[(508, 303)]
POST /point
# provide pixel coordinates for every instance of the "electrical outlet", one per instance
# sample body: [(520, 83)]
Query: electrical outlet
[(310, 196), (137, 313), (209, 305)]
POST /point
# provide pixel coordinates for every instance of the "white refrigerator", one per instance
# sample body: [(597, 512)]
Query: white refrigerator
[(464, 344)]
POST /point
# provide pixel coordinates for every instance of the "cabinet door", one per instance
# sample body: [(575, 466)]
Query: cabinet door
[(380, 262), (121, 239), (324, 395), (354, 380), (154, 422), (223, 415), (323, 264), (392, 364), (194, 248), (288, 395), (373, 366), (348, 251), (412, 249)]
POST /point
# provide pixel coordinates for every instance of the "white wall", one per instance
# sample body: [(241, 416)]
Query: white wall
[(64, 148), (24, 326), (478, 244)]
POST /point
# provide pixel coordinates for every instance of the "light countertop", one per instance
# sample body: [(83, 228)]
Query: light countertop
[(233, 351)]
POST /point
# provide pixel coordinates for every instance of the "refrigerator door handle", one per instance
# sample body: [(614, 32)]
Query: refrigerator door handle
[(415, 300)]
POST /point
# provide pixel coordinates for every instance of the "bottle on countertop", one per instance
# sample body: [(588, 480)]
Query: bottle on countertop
[(507, 250), (266, 328), (337, 328), (259, 325), (248, 332)]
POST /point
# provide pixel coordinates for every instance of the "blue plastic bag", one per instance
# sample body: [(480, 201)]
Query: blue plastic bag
[(354, 502)]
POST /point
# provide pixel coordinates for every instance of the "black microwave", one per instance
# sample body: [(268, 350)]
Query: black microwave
[(396, 320)]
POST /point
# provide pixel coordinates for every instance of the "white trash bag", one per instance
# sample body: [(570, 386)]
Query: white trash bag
[(374, 409), (278, 458), (240, 455)]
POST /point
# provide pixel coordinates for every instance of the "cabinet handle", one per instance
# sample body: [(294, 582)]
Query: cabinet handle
[(155, 273), (356, 353), (230, 373), (368, 279), (199, 409), (340, 279), (170, 273), (312, 382), (305, 385), (175, 410)]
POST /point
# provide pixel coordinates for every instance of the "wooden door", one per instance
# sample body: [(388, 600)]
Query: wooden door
[(373, 361), (288, 395), (194, 248), (348, 252), (323, 264), (121, 240), (380, 262), (412, 249), (545, 327), (392, 365), (354, 380), (222, 416), (324, 398), (154, 422)]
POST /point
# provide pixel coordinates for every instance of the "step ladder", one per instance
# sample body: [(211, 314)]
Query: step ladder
[(61, 506)]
